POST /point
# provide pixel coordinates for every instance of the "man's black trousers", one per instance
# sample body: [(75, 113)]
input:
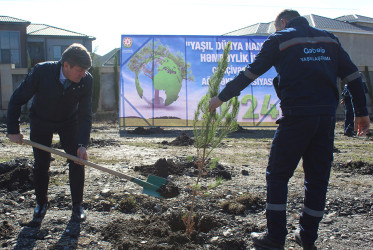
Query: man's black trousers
[(68, 139)]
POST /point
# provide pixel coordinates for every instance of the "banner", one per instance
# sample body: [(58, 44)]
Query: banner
[(162, 79)]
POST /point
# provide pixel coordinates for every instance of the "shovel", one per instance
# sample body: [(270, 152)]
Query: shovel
[(151, 187)]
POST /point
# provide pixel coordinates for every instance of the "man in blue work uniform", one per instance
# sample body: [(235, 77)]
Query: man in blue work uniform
[(62, 101), (308, 62), (349, 112)]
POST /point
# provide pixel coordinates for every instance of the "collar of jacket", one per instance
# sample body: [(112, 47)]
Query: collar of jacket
[(298, 21), (58, 71)]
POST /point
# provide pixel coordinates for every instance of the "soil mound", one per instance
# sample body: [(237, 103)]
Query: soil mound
[(165, 167), (162, 168), (160, 232), (241, 129), (99, 143), (182, 140), (170, 190), (147, 131), (16, 175), (354, 167), (349, 206)]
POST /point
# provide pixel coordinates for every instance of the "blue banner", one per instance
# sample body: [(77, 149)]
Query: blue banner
[(162, 79)]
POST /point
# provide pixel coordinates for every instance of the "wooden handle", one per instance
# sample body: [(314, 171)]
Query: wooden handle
[(76, 159)]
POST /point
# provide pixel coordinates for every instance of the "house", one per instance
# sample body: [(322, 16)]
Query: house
[(13, 37), (23, 44), (47, 43), (22, 40)]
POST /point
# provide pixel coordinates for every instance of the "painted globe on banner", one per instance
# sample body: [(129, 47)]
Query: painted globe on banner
[(167, 81)]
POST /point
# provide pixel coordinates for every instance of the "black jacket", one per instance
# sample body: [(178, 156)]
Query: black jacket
[(52, 107)]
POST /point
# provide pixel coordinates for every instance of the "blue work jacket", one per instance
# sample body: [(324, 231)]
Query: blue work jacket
[(308, 62)]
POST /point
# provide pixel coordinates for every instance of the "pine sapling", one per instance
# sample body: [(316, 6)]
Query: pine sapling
[(209, 130)]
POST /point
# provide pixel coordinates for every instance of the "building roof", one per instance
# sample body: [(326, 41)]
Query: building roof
[(108, 58), (47, 30), (255, 29), (341, 24), (8, 19), (355, 19), (335, 25)]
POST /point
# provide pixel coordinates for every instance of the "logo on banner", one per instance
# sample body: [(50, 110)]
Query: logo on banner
[(127, 42)]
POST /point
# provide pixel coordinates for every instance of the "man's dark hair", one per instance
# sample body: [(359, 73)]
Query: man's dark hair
[(77, 55), (287, 15)]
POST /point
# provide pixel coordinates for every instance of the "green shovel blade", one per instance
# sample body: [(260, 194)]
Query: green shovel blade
[(152, 184)]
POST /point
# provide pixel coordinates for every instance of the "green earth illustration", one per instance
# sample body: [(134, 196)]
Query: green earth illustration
[(168, 79), (167, 71)]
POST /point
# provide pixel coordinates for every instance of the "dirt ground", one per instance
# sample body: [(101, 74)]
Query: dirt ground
[(120, 216)]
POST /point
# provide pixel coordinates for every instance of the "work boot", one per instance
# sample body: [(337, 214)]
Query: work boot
[(78, 214), (262, 240), (40, 211), (305, 246)]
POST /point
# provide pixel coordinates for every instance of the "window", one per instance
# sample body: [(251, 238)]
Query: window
[(57, 51), (10, 51)]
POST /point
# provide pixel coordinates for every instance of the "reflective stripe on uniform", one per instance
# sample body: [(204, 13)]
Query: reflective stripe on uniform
[(302, 40), (276, 207), (351, 77), (312, 212), (250, 75)]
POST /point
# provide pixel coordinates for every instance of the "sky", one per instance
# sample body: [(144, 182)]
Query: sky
[(108, 20)]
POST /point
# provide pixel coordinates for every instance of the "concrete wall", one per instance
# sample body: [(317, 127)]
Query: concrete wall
[(359, 47), (107, 95)]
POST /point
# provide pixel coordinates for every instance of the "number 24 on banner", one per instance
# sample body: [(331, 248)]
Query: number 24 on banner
[(272, 110)]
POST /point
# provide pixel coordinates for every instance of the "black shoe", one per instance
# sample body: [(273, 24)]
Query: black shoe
[(305, 246), (261, 240), (78, 214), (350, 134), (40, 211)]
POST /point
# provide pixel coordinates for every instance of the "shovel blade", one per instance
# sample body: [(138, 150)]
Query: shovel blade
[(156, 183), (156, 180)]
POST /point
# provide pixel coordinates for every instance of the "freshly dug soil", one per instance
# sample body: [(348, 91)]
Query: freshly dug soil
[(169, 190), (229, 206)]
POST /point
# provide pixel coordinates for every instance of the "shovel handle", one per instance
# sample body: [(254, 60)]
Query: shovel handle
[(76, 159)]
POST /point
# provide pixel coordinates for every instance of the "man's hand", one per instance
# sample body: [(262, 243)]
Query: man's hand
[(82, 154), (16, 138), (362, 125), (214, 103)]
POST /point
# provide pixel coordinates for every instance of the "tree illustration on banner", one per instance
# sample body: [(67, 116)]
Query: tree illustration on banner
[(167, 71)]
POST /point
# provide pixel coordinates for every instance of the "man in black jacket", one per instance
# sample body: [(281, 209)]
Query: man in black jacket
[(62, 101), (308, 62)]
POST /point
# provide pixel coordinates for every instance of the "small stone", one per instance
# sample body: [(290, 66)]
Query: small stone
[(213, 239), (245, 172), (227, 233), (105, 192)]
